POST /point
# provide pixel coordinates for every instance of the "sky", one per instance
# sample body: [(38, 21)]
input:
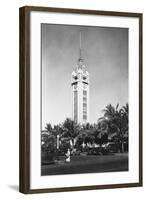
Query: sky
[(105, 54)]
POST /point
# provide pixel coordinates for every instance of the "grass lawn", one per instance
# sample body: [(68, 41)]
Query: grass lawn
[(87, 164)]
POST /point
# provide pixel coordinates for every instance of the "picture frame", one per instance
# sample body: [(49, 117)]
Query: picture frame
[(31, 18)]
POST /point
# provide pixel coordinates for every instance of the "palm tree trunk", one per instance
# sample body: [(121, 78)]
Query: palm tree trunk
[(122, 147)]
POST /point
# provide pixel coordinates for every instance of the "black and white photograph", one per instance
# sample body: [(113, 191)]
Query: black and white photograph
[(84, 99)]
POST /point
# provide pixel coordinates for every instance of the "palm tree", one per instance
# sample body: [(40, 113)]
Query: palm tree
[(110, 111), (126, 109), (58, 129), (71, 129), (102, 130), (124, 124), (117, 120), (48, 127)]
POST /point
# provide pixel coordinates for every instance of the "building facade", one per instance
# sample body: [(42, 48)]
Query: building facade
[(80, 92)]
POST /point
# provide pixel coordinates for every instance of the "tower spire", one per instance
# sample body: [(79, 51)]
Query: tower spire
[(80, 60), (80, 45)]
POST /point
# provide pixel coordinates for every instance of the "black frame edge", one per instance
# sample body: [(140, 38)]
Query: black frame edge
[(141, 99), (83, 11), (24, 101)]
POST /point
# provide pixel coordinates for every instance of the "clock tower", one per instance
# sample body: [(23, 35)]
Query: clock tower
[(80, 91)]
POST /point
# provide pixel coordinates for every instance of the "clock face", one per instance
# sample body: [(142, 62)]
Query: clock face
[(75, 77)]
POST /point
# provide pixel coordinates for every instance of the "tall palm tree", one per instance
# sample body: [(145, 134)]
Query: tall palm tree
[(124, 123), (126, 109), (48, 127), (71, 128), (117, 120)]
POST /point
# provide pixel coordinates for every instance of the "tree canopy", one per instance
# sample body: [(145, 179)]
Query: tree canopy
[(112, 126)]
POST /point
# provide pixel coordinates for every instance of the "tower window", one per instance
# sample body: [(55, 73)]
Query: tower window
[(84, 99), (84, 105), (75, 86), (84, 93)]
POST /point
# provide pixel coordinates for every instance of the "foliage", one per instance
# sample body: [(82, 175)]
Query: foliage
[(65, 145), (117, 122), (48, 143), (112, 126)]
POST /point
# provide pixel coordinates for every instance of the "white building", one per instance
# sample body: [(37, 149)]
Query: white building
[(80, 92)]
